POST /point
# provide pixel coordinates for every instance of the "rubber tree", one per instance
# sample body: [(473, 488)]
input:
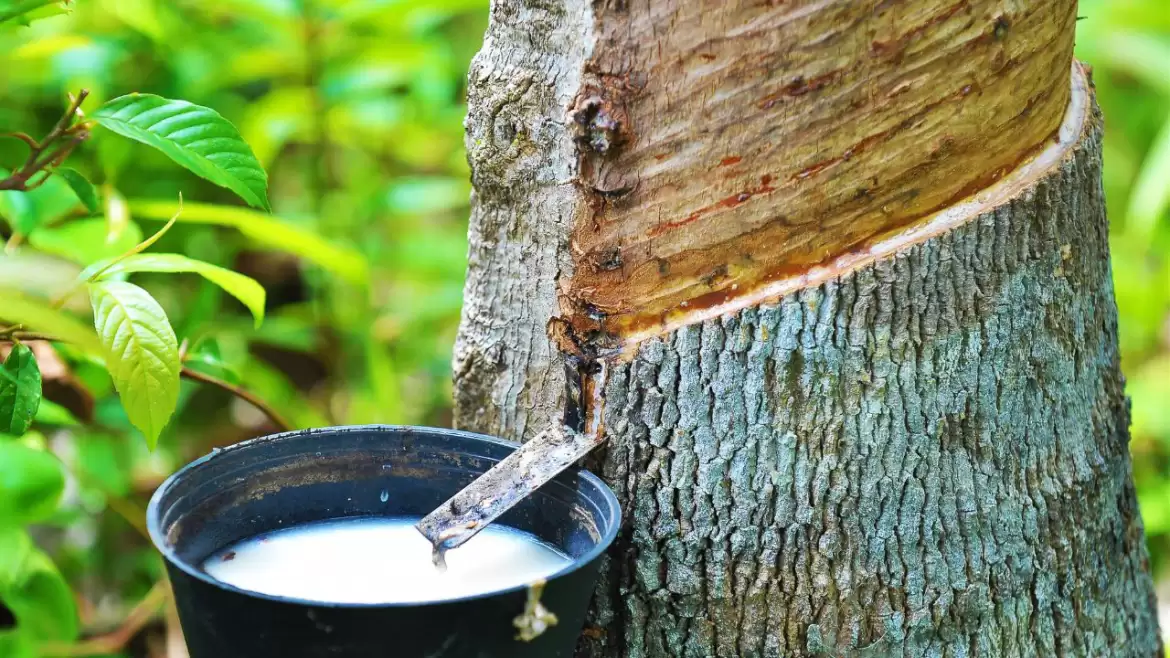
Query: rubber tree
[(834, 274)]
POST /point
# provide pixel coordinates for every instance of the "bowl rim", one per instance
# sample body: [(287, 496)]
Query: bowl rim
[(610, 509)]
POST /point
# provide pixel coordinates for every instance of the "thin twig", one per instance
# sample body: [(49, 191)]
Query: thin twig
[(55, 158), (141, 246), (272, 414), (26, 336), (35, 164), (115, 641), (136, 249), (32, 143), (131, 513), (9, 334), (32, 185), (66, 119)]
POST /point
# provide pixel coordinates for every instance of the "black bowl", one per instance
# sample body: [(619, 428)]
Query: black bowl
[(300, 477)]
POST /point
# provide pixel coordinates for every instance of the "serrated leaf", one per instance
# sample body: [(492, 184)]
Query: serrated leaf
[(85, 191), (31, 483), (20, 391), (196, 137), (141, 351), (39, 316), (86, 241), (264, 230), (34, 591), (244, 288)]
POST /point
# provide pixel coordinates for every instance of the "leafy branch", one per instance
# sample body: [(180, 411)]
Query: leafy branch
[(48, 154), (14, 334), (21, 10), (245, 395), (134, 334)]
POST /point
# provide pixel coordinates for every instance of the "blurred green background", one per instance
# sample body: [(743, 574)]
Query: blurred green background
[(355, 108)]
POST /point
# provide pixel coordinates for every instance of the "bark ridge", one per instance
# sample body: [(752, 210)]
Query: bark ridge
[(925, 457)]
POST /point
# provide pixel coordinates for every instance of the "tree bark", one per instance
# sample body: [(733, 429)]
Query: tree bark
[(927, 456), (909, 438)]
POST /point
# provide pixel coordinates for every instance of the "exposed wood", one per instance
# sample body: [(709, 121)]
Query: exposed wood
[(902, 433), (728, 145), (927, 456), (588, 131), (884, 244)]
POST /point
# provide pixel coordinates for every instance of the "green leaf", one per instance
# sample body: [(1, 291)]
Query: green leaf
[(272, 121), (14, 644), (1151, 193), (1139, 54), (31, 482), (86, 241), (244, 288), (36, 273), (196, 137), (15, 546), (106, 463), (141, 351), (117, 212), (39, 316), (85, 191), (267, 11), (207, 359), (142, 15), (51, 413), (27, 211), (34, 590), (1148, 385), (22, 12), (20, 390), (1154, 502), (264, 230)]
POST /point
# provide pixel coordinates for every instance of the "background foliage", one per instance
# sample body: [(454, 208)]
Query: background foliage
[(354, 107)]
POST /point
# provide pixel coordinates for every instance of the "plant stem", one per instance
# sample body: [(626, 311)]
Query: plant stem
[(141, 246), (10, 334), (35, 163), (32, 143), (272, 414), (136, 249), (117, 640), (7, 335)]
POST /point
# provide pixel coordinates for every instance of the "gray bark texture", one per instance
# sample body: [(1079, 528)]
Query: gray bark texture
[(926, 456), (508, 378)]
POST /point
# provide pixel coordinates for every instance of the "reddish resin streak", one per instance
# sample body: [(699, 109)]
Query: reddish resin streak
[(729, 202)]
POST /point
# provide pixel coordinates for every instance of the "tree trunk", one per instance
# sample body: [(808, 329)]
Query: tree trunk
[(847, 266)]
